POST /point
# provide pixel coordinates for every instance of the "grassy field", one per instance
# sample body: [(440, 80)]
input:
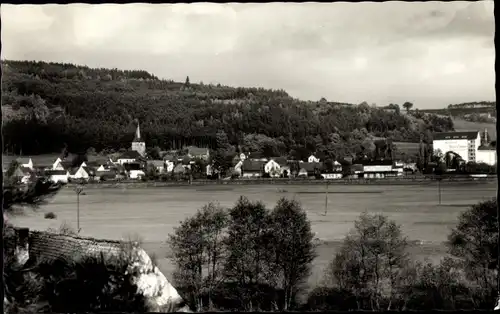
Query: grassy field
[(463, 125), (153, 213)]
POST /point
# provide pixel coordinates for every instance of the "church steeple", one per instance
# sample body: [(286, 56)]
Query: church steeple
[(138, 143), (138, 134)]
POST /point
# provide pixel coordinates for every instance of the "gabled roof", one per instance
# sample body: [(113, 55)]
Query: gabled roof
[(66, 164), (56, 172), (88, 169), (23, 160), (130, 154), (469, 135), (132, 166), (280, 160), (169, 158), (484, 147), (251, 165), (311, 166), (179, 168), (25, 170), (196, 151), (157, 163)]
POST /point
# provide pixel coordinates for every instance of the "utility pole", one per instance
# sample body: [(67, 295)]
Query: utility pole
[(439, 188), (78, 191), (326, 198)]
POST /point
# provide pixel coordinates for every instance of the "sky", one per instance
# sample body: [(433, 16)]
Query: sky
[(429, 53)]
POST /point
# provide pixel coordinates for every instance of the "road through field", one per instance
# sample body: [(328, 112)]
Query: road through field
[(153, 213)]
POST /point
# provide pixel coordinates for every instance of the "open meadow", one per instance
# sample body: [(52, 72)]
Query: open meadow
[(152, 213)]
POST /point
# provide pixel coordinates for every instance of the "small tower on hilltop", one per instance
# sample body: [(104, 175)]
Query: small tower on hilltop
[(138, 143)]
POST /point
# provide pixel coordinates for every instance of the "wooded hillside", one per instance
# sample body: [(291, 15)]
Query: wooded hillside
[(47, 106)]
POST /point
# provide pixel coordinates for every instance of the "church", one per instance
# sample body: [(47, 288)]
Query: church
[(138, 143)]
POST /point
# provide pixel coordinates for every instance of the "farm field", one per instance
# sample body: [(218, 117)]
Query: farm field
[(151, 214), (464, 125)]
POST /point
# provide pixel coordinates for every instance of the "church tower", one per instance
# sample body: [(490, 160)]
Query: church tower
[(138, 143)]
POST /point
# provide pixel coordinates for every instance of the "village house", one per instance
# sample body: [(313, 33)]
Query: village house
[(134, 170), (158, 164), (334, 173), (256, 156), (197, 152), (57, 176), (23, 174), (25, 162), (252, 168), (105, 175), (130, 156), (179, 169), (61, 164), (378, 169), (272, 168), (312, 158), (82, 173), (309, 169)]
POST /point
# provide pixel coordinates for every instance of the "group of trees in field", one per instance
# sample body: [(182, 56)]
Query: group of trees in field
[(245, 258), (48, 105), (249, 258)]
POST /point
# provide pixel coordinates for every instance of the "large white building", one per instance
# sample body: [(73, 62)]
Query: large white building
[(465, 144)]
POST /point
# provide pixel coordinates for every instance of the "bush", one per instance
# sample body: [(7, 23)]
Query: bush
[(50, 215)]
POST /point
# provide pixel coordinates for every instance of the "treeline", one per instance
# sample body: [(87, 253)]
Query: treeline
[(48, 106), (249, 258), (477, 104)]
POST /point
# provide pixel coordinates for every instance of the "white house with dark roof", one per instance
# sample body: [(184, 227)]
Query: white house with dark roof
[(312, 158), (57, 176), (25, 162), (487, 155), (465, 144), (127, 157)]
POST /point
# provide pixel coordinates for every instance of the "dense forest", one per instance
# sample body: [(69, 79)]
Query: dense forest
[(50, 106)]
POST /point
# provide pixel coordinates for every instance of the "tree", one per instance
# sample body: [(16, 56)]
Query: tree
[(371, 262), (187, 83), (291, 236), (91, 151), (408, 105), (35, 195), (154, 152), (249, 252), (198, 251), (475, 241), (78, 159)]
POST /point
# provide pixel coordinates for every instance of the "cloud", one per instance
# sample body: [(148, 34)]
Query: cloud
[(430, 53)]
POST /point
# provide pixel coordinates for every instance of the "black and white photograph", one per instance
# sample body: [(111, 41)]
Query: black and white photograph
[(249, 157)]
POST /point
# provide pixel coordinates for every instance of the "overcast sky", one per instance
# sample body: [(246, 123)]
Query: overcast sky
[(429, 53)]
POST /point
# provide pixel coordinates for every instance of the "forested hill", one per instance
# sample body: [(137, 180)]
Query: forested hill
[(46, 106)]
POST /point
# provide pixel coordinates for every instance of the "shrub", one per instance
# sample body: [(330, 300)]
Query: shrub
[(50, 215)]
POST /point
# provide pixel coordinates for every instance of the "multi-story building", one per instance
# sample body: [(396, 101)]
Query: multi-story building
[(465, 144)]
